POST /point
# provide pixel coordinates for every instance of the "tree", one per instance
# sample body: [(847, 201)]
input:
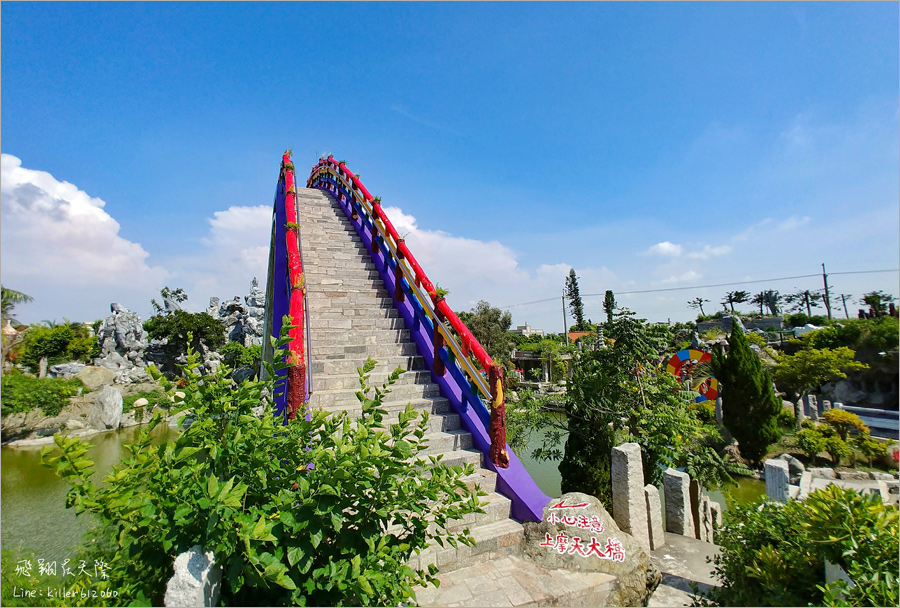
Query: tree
[(804, 299), (759, 300), (10, 298), (810, 368), (575, 303), (749, 404), (489, 325), (735, 297), (609, 305), (180, 328), (844, 422), (878, 301), (697, 304)]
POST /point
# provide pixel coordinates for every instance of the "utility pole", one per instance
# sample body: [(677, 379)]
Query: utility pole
[(565, 323), (844, 300), (827, 297)]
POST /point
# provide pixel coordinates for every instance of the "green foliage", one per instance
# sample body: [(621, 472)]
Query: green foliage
[(878, 301), (23, 393), (489, 325), (838, 449), (573, 294), (749, 404), (844, 422), (237, 355), (773, 554), (735, 297), (870, 448), (697, 304), (609, 305), (804, 299), (785, 418), (874, 335), (177, 326), (811, 442), (177, 295), (808, 369), (59, 344), (705, 411), (154, 397), (10, 298), (17, 577), (754, 338), (324, 512)]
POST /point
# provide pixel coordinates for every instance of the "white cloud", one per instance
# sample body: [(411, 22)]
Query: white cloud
[(61, 247), (793, 222), (708, 252), (684, 277), (666, 249)]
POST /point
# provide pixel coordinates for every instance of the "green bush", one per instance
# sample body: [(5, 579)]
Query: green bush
[(321, 512), (811, 442), (870, 448), (843, 422), (773, 554), (786, 418), (236, 355), (23, 393), (59, 344), (755, 338), (838, 449)]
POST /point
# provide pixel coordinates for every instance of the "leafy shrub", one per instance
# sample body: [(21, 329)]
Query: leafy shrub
[(236, 355), (322, 512), (755, 338), (183, 329), (705, 411), (811, 442), (786, 418), (774, 554), (844, 422), (837, 448), (870, 448), (23, 393), (59, 344), (155, 397)]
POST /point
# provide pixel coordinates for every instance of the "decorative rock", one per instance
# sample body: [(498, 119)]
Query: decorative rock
[(629, 504), (715, 510), (122, 339), (826, 405), (42, 367), (852, 475), (881, 476), (823, 472), (142, 402), (65, 370), (813, 406), (696, 492), (777, 474), (638, 576), (805, 485), (107, 411), (654, 517), (719, 411), (74, 425), (678, 503), (706, 523), (95, 378), (197, 580), (799, 414)]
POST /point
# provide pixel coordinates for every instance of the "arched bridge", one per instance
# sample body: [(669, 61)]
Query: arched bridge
[(353, 289)]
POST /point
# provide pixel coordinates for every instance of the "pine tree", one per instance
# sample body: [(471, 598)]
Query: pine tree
[(609, 305), (749, 404), (575, 303)]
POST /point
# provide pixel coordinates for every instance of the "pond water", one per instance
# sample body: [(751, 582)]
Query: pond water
[(33, 509)]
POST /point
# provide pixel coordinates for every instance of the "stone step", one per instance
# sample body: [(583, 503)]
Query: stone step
[(492, 541), (376, 351), (351, 381), (333, 337), (313, 274), (436, 422), (443, 442), (353, 300), (344, 398), (363, 325), (432, 405), (383, 367), (352, 313)]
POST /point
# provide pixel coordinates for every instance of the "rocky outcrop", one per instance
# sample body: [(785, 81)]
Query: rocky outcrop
[(65, 370), (551, 543), (94, 378), (107, 411), (244, 321), (196, 580), (122, 340)]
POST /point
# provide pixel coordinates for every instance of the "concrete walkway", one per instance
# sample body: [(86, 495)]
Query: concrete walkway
[(682, 560), (514, 581)]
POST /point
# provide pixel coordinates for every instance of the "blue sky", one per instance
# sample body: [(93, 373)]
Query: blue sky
[(647, 145)]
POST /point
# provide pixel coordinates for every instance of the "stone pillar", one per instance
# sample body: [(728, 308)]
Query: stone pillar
[(678, 503), (654, 517), (799, 415), (837, 405), (715, 510), (706, 533), (813, 407), (196, 581), (719, 411), (696, 496), (777, 480), (826, 405), (629, 504)]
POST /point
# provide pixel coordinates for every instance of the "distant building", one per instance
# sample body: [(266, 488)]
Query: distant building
[(526, 331)]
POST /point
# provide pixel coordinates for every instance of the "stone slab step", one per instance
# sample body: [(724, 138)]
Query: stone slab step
[(433, 405), (326, 336), (329, 382), (383, 367), (377, 351), (492, 541), (328, 398), (352, 313)]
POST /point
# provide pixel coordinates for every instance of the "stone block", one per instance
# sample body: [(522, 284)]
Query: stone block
[(696, 492), (196, 581), (716, 511), (629, 503), (777, 480), (654, 517), (705, 520), (107, 411), (823, 472), (676, 486), (719, 411), (805, 485)]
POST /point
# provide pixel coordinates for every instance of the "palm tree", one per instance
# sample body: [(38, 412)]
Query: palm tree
[(10, 298)]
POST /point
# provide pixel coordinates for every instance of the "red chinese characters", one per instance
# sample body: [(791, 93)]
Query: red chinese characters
[(564, 544), (578, 521)]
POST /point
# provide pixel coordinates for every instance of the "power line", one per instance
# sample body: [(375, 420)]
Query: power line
[(623, 293)]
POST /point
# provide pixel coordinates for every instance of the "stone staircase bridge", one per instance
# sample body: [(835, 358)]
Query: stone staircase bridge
[(358, 292)]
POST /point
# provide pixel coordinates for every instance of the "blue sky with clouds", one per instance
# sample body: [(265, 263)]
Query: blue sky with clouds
[(647, 145)]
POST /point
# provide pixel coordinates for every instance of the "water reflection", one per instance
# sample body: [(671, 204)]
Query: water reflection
[(33, 509)]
